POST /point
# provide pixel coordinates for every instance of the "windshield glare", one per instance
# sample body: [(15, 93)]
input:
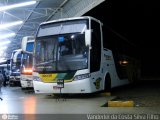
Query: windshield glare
[(61, 52)]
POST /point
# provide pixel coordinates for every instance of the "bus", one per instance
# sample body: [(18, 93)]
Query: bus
[(4, 70), (15, 62), (26, 62), (5, 67), (72, 50)]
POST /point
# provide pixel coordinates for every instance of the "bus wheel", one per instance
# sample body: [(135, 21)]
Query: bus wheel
[(107, 83)]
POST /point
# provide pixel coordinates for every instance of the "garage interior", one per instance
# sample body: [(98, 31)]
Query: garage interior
[(135, 22)]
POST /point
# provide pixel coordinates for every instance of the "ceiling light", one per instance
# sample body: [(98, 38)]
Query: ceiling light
[(17, 5), (2, 48), (3, 26), (7, 35), (3, 59), (4, 43)]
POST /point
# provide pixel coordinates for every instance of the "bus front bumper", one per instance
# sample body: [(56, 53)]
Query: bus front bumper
[(26, 81), (79, 86), (14, 78)]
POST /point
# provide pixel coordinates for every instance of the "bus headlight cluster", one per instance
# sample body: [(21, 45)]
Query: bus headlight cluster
[(35, 78), (23, 78), (83, 76)]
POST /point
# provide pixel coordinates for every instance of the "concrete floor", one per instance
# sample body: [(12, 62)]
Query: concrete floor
[(16, 101), (144, 94), (19, 101)]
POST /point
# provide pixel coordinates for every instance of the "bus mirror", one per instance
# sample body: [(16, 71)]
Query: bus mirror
[(88, 37)]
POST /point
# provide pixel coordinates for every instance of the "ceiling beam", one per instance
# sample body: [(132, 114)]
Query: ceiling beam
[(59, 8)]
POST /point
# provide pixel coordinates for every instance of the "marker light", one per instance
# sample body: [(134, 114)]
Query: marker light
[(2, 48), (123, 62), (27, 71), (7, 35), (17, 5), (3, 26), (72, 36)]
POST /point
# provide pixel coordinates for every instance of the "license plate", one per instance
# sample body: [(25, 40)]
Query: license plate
[(28, 83), (56, 87)]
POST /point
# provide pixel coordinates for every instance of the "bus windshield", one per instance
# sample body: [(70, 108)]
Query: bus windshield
[(61, 53), (15, 66), (27, 60), (60, 46)]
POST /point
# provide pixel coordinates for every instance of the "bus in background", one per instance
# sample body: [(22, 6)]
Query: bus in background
[(4, 70), (26, 62), (5, 66), (71, 50), (15, 62)]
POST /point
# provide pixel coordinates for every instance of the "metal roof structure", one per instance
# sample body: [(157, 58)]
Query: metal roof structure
[(33, 15)]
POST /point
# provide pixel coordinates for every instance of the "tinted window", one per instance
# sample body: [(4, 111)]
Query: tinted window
[(96, 47), (30, 46)]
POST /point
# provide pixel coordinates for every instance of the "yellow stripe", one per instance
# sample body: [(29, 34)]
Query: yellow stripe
[(48, 77), (67, 81), (120, 104), (51, 78), (106, 94)]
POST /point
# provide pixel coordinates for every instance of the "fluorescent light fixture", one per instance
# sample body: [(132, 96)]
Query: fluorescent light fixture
[(2, 59), (17, 5), (3, 26), (7, 35), (3, 48), (4, 42)]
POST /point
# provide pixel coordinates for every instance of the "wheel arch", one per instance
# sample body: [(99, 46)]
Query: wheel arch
[(107, 82)]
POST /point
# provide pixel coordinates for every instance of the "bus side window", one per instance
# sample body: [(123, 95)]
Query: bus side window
[(96, 47)]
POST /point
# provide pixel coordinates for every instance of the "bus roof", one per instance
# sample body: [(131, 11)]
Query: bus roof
[(72, 18), (17, 50)]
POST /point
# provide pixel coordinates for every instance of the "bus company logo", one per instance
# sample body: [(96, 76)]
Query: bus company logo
[(4, 117), (108, 57), (47, 75), (97, 83)]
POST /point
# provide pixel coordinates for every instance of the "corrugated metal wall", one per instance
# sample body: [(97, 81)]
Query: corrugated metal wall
[(76, 8)]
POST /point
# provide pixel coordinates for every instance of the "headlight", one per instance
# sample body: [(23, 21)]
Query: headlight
[(35, 78), (83, 76), (22, 78)]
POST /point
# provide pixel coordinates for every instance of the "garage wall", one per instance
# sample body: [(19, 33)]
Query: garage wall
[(76, 8)]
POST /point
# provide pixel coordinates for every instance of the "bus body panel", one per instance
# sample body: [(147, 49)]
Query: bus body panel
[(70, 85), (14, 75), (26, 81), (27, 46), (80, 86), (109, 66)]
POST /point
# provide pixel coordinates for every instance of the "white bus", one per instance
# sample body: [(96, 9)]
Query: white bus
[(5, 67), (71, 49), (26, 78), (15, 62)]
